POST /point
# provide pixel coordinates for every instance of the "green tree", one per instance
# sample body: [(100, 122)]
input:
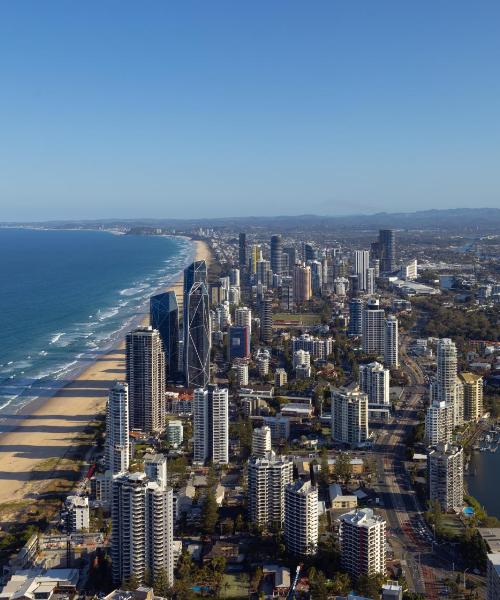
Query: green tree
[(342, 468), (341, 584), (210, 513), (317, 582), (369, 585)]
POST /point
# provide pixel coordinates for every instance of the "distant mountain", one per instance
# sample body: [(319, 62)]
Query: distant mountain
[(464, 219)]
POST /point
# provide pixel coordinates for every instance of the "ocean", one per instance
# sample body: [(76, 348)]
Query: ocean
[(68, 296)]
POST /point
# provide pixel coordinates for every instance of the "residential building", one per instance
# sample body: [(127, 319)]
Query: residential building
[(301, 358), (145, 367), (302, 286), (211, 425), (238, 342), (280, 377), (374, 381), (438, 423), (268, 476), (301, 518), (361, 265), (242, 256), (261, 441), (175, 433), (473, 395), (279, 426), (117, 446), (142, 529), (276, 255), (362, 543), (77, 513), (445, 472), (243, 318), (355, 317), (493, 576), (164, 316), (391, 342), (317, 347), (197, 336), (373, 328), (387, 250), (241, 369), (266, 320), (349, 415)]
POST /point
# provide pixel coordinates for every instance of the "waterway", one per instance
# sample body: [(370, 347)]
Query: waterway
[(483, 482)]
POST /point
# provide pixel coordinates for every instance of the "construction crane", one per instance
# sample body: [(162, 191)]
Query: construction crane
[(291, 591)]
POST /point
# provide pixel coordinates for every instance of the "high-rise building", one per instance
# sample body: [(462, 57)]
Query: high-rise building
[(448, 387), (301, 518), (361, 265), (117, 429), (268, 476), (287, 294), (302, 288), (77, 513), (370, 280), (241, 368), (263, 273), (256, 256), (291, 252), (387, 250), (266, 320), (142, 529), (234, 277), (196, 272), (355, 317), (145, 364), (438, 423), (243, 318), (211, 425), (316, 277), (445, 471), (280, 377), (308, 252), (349, 415), (493, 576), (243, 260), (238, 340), (197, 336), (164, 316), (373, 328), (276, 255), (317, 347), (473, 396), (261, 441), (362, 543), (175, 433), (374, 381), (301, 358), (391, 342)]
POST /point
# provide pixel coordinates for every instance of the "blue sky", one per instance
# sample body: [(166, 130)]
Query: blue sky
[(185, 109)]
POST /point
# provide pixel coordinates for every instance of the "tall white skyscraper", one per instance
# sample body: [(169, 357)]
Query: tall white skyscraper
[(243, 318), (448, 387), (349, 415), (142, 529), (261, 441), (267, 477), (445, 471), (117, 429), (361, 266), (155, 467), (362, 542), (145, 363), (438, 423), (211, 425), (391, 342), (373, 328), (374, 381), (301, 518)]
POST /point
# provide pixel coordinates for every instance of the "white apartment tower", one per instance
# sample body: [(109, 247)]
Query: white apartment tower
[(445, 471), (448, 387), (301, 518), (142, 529), (145, 362), (373, 328), (361, 265), (438, 423), (261, 441), (117, 450), (391, 342), (268, 476), (211, 425), (362, 543), (241, 369), (349, 415), (243, 318), (374, 381)]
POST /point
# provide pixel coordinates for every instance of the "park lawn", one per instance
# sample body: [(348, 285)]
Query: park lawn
[(452, 525), (299, 318), (235, 585)]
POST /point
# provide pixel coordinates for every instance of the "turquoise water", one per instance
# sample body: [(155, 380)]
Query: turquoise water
[(67, 296)]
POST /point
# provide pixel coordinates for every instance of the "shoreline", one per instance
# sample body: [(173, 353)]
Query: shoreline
[(49, 429)]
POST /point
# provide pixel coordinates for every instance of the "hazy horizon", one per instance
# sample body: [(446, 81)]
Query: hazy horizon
[(206, 110)]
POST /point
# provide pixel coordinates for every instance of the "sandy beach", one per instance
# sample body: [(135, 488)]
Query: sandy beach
[(38, 448)]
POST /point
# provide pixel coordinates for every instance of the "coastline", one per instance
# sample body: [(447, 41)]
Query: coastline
[(40, 448)]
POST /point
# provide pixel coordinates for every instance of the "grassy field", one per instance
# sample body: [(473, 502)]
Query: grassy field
[(235, 585), (298, 318), (452, 526)]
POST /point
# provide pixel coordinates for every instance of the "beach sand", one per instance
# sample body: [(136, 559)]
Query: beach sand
[(40, 449)]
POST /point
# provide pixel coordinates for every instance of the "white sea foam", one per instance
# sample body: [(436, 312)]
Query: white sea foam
[(56, 337)]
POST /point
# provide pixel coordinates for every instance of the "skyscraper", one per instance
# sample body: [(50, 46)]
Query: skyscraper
[(373, 325), (302, 287), (473, 395), (268, 476), (243, 259), (145, 363), (261, 441), (276, 254), (238, 340), (355, 317), (391, 342), (445, 471), (266, 320), (448, 387), (301, 518), (117, 429), (438, 423), (362, 543), (197, 336), (387, 250), (374, 381), (142, 529), (243, 318), (164, 316), (349, 416), (211, 425), (361, 265)]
